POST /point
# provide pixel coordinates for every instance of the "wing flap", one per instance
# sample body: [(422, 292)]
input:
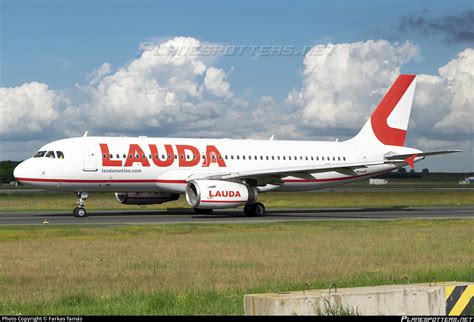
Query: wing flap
[(302, 172)]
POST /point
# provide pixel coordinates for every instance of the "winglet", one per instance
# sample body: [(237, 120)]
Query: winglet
[(411, 161)]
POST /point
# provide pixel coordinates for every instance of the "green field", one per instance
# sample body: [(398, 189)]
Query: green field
[(207, 268), (106, 201)]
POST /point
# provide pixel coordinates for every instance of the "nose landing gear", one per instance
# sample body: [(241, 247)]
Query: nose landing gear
[(80, 211)]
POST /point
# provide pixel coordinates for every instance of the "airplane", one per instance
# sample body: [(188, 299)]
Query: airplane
[(224, 173)]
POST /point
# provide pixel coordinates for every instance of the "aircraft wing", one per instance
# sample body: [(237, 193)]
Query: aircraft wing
[(274, 175)]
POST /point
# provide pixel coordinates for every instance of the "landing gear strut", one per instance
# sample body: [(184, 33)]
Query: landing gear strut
[(254, 210), (80, 211)]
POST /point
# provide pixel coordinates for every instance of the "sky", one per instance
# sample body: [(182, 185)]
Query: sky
[(311, 70)]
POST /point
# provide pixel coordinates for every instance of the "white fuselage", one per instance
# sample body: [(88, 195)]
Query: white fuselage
[(141, 164)]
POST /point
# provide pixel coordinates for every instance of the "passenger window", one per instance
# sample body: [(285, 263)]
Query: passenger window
[(232, 157), (289, 158), (267, 157), (243, 157), (261, 157), (237, 157), (344, 158), (60, 154), (111, 156), (284, 158)]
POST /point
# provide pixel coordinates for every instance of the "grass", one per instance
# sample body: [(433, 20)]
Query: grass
[(207, 268), (106, 201)]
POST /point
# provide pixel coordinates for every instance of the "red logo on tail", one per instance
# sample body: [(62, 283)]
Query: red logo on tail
[(384, 133)]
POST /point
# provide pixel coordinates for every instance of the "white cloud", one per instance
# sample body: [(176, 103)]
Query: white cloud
[(215, 82), (30, 109), (167, 86), (342, 82), (444, 103), (99, 73)]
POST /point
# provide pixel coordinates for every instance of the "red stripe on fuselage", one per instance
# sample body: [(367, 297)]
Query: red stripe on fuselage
[(101, 181)]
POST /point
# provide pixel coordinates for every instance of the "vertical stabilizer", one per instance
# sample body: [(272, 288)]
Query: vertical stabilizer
[(388, 123)]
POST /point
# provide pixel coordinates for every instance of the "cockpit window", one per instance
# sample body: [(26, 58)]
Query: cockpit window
[(39, 154), (60, 154), (50, 154)]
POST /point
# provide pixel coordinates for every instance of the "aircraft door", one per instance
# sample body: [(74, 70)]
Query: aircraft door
[(90, 157)]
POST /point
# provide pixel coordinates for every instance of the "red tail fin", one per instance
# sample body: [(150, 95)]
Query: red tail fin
[(388, 123)]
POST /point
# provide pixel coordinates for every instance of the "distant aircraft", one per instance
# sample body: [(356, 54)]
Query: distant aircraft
[(224, 173)]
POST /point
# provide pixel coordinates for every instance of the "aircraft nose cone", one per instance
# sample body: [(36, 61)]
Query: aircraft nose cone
[(19, 171)]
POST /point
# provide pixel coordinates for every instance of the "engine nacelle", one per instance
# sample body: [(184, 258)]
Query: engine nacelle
[(145, 198), (219, 194)]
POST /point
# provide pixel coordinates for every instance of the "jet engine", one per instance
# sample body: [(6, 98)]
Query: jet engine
[(219, 194), (145, 198)]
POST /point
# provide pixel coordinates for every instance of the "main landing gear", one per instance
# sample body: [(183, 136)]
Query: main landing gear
[(254, 210), (80, 211), (203, 211)]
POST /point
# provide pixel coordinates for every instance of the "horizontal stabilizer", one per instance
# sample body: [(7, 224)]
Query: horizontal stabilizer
[(423, 154)]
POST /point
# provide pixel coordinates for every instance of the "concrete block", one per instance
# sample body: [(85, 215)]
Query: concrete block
[(412, 299)]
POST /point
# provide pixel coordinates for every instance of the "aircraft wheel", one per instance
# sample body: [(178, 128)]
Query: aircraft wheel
[(258, 209), (247, 210), (203, 211), (79, 212), (254, 210)]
